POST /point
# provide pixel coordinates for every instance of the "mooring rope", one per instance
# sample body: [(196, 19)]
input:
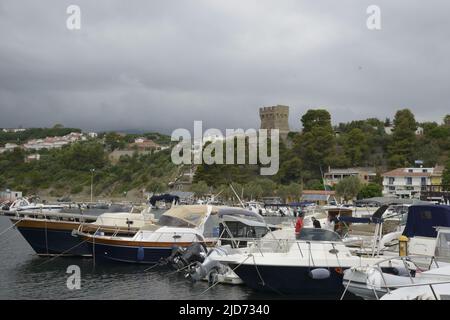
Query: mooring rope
[(158, 264), (346, 288), (181, 269), (46, 236), (263, 282), (10, 227), (15, 234), (64, 252)]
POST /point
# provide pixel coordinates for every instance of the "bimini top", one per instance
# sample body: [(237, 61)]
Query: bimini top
[(191, 216), (423, 220), (234, 211), (194, 216)]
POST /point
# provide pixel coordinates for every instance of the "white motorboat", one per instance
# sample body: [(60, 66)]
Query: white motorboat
[(23, 204), (372, 283), (180, 226), (235, 234), (311, 265)]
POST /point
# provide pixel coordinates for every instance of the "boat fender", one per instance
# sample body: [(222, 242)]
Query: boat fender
[(140, 254), (319, 274)]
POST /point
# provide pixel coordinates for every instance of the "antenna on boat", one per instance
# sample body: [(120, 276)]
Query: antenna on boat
[(237, 196)]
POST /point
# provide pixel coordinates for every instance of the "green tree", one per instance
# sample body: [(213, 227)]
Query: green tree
[(447, 120), (370, 190), (348, 188), (356, 146), (290, 171), (114, 141), (446, 176), (253, 191), (316, 145), (316, 118), (156, 186), (200, 189), (401, 149)]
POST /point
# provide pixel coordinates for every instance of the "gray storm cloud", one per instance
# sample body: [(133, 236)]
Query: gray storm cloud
[(160, 65)]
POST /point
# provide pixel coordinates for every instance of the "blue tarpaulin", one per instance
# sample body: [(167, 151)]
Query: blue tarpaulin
[(423, 220)]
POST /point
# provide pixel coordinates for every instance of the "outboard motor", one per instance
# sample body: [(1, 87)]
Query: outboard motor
[(210, 268), (173, 258), (181, 258)]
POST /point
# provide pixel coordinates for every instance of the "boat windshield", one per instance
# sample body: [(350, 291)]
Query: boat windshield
[(183, 216), (315, 234)]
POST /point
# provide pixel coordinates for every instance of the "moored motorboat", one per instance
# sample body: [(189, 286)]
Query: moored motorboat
[(179, 227), (372, 283), (311, 265), (52, 233)]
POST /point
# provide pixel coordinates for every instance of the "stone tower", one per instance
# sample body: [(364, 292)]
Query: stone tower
[(276, 117)]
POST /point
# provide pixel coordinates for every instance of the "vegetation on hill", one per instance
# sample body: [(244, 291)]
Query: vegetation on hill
[(363, 143), (68, 171)]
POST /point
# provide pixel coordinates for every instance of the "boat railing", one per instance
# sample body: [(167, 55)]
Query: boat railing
[(407, 261), (58, 216)]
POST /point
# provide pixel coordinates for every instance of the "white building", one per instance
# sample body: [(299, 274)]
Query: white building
[(406, 182), (334, 176), (53, 142), (33, 157), (389, 130), (9, 195), (13, 130), (9, 147)]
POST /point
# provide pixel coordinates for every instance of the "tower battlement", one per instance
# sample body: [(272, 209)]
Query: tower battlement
[(275, 117)]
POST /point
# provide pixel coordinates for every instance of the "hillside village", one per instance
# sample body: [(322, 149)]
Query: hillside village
[(314, 162)]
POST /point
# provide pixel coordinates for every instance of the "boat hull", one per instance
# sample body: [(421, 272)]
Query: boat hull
[(55, 242), (290, 280), (130, 254)]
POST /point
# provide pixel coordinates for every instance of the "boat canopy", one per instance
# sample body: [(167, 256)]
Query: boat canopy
[(250, 223), (375, 218), (423, 220), (391, 201), (191, 216), (194, 216), (232, 211)]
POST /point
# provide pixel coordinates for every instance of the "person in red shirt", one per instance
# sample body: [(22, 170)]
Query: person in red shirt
[(299, 224)]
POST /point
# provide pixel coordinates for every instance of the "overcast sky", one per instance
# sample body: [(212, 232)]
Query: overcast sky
[(160, 65)]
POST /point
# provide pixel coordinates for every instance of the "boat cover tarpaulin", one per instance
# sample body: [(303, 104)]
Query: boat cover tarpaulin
[(423, 220), (375, 218), (164, 197)]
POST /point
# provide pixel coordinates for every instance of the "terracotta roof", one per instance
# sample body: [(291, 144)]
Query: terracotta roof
[(400, 172), (321, 192)]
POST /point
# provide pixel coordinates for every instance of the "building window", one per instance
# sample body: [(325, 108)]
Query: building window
[(410, 170), (409, 180), (391, 180), (423, 181)]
